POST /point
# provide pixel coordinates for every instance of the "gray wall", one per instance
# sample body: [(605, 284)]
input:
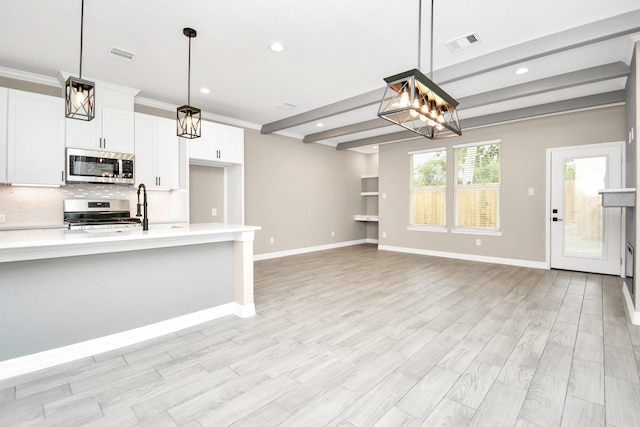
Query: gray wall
[(206, 191), (523, 217), (299, 193), (51, 303)]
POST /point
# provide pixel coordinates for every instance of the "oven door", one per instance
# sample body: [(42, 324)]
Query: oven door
[(98, 167)]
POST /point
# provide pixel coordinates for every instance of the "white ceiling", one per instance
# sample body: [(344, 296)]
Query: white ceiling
[(335, 49)]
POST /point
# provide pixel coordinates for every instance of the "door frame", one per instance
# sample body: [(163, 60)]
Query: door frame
[(548, 215)]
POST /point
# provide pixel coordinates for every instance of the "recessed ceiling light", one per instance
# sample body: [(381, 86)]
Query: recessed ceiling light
[(204, 90), (276, 47), (375, 147), (319, 124), (522, 70)]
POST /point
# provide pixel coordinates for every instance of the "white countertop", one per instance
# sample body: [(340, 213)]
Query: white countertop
[(21, 245)]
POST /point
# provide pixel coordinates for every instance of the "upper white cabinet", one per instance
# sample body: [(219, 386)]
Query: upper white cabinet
[(4, 99), (218, 144), (113, 127), (35, 139), (157, 152)]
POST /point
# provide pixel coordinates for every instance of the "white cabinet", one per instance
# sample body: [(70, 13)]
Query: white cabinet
[(111, 130), (218, 144), (157, 152), (113, 127), (35, 139), (4, 99)]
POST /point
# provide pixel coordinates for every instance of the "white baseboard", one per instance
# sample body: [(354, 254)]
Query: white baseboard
[(306, 250), (466, 257), (46, 359), (245, 311), (634, 316)]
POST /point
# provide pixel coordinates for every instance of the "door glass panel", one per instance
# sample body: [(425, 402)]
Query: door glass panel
[(583, 213)]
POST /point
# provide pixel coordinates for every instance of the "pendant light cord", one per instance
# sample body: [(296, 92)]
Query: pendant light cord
[(189, 76), (81, 33), (420, 38), (419, 32), (431, 60)]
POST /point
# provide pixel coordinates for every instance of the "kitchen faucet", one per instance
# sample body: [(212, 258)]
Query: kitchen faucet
[(145, 219)]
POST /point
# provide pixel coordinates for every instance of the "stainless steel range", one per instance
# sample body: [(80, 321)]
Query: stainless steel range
[(82, 214)]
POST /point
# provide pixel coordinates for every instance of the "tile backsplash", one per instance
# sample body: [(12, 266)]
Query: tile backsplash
[(28, 207)]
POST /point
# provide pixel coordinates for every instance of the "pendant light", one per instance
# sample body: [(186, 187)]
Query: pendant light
[(80, 99), (188, 117), (416, 103)]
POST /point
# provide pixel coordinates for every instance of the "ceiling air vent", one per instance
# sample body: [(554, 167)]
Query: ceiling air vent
[(121, 53), (287, 106), (462, 42)]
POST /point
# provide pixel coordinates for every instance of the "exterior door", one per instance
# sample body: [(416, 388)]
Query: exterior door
[(584, 235)]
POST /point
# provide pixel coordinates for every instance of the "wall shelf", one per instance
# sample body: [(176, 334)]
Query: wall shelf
[(618, 197), (366, 218)]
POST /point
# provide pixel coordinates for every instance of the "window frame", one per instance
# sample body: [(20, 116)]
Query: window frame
[(459, 229), (443, 228)]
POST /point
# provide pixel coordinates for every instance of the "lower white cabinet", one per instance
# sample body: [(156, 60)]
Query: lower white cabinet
[(4, 95), (218, 144), (157, 152), (35, 139)]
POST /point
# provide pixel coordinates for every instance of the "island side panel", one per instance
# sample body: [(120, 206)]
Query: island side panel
[(50, 303)]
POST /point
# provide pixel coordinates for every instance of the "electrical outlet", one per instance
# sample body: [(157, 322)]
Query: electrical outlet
[(478, 242), (384, 195), (333, 233), (532, 191), (214, 212), (3, 218), (272, 240), (384, 234)]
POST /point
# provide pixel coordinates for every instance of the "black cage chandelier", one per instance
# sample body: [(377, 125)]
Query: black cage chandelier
[(416, 103), (80, 96), (188, 117)]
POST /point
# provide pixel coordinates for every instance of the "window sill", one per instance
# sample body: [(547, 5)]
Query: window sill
[(477, 232), (426, 228)]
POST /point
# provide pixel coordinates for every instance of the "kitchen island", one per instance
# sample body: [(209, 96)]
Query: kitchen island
[(68, 294)]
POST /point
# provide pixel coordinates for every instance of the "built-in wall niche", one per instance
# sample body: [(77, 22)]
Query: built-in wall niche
[(206, 194), (215, 193)]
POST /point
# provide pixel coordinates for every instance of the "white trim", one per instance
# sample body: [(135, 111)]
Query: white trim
[(372, 241), (244, 311), (476, 144), (428, 228), (466, 257), (280, 254), (428, 150), (147, 102), (476, 231), (46, 359), (29, 77), (634, 316)]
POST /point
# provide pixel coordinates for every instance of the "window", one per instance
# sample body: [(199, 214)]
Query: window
[(477, 187), (428, 188)]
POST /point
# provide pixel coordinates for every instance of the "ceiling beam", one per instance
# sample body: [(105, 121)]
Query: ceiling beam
[(340, 107), (595, 32), (347, 130), (600, 73), (610, 71), (606, 29), (584, 102)]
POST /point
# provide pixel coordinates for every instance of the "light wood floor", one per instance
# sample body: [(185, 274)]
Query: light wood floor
[(359, 337)]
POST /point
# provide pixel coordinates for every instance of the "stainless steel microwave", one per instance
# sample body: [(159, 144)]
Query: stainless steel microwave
[(99, 167)]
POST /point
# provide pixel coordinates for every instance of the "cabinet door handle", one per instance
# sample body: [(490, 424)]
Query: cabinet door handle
[(61, 176)]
